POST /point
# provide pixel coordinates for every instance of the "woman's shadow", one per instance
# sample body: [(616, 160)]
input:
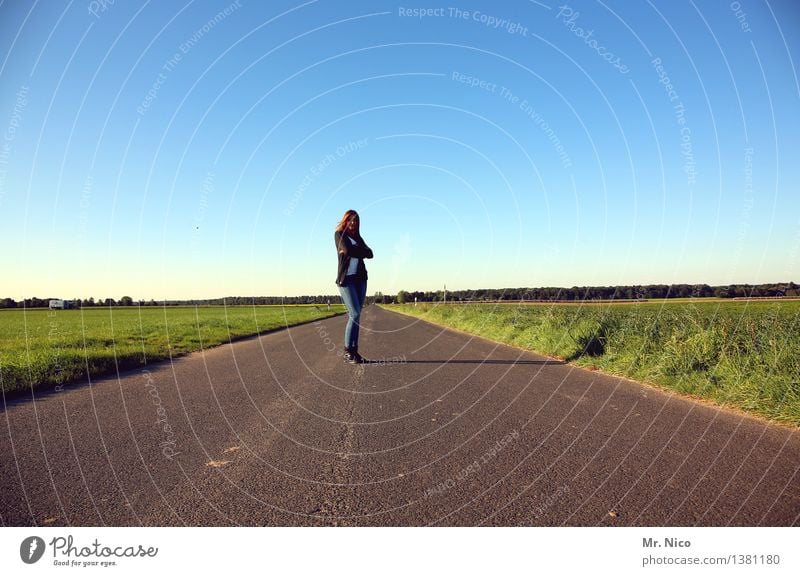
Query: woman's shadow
[(502, 362)]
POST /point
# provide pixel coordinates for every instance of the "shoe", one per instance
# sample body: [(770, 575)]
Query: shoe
[(350, 358), (359, 359)]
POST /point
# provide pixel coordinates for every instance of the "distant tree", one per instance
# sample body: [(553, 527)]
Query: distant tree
[(109, 302), (738, 291), (126, 301), (402, 297), (8, 303), (657, 291), (703, 291), (378, 298)]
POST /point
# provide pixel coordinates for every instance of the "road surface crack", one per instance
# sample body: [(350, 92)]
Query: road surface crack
[(337, 506)]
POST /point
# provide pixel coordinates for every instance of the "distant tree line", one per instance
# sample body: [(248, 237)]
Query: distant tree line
[(576, 293), (128, 301), (581, 293)]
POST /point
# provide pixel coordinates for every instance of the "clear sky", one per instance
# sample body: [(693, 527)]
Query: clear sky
[(204, 149)]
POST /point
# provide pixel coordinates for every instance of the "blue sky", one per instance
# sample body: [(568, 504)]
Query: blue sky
[(202, 149)]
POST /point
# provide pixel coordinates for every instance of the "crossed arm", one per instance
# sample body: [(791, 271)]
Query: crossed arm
[(360, 250)]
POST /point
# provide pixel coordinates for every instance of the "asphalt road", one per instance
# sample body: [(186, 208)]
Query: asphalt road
[(440, 429)]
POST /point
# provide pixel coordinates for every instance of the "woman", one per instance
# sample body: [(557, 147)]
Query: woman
[(351, 279)]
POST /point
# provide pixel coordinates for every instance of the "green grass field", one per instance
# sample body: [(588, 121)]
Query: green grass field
[(743, 354), (52, 348)]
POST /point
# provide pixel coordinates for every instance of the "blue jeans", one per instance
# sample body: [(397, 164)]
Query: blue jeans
[(353, 292)]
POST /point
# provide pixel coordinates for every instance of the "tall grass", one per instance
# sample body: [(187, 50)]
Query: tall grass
[(740, 354), (52, 348)]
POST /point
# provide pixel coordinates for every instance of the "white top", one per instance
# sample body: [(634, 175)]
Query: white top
[(353, 268)]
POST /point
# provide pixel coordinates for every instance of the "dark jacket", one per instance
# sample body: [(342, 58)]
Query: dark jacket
[(346, 250)]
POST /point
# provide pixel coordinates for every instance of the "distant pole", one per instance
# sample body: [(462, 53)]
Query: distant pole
[(445, 293), (415, 301), (329, 303)]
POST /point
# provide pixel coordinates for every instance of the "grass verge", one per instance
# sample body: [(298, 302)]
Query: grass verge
[(744, 355), (46, 348)]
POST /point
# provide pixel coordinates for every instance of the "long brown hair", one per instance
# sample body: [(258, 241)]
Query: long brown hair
[(346, 218)]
